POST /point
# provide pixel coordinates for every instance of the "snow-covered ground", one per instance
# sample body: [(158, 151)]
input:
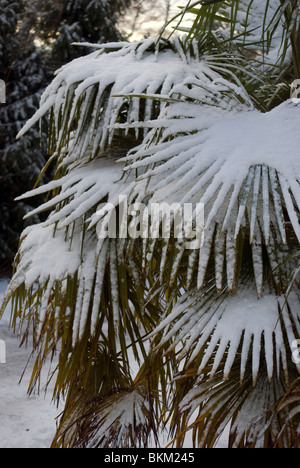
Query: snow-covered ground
[(25, 421)]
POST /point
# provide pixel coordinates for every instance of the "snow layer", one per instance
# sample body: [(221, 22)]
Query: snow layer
[(133, 70), (238, 140)]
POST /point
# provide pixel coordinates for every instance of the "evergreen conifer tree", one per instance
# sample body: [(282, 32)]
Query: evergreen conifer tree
[(65, 22), (23, 69)]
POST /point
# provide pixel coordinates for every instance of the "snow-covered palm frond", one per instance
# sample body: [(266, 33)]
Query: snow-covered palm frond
[(104, 389), (70, 286), (193, 161), (198, 328), (212, 406), (263, 32), (90, 95), (87, 286), (79, 192), (86, 100), (115, 421), (251, 24), (244, 21)]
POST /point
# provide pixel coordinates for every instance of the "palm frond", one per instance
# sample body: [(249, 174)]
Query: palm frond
[(288, 409), (90, 95), (260, 197), (114, 421), (80, 186), (197, 328), (269, 27), (213, 406)]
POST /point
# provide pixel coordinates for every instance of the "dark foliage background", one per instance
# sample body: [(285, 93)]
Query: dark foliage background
[(35, 40)]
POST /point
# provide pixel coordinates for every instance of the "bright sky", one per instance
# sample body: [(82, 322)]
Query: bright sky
[(151, 21)]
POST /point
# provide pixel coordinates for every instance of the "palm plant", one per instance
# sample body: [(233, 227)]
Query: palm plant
[(205, 118)]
